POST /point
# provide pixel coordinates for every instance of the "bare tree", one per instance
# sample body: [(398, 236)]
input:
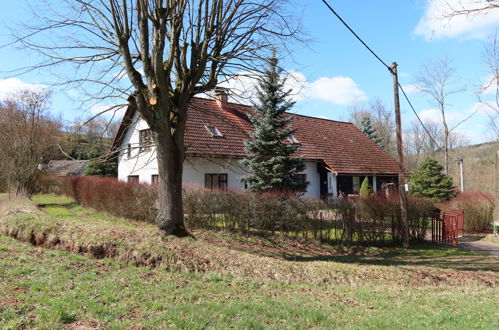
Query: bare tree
[(27, 135), (381, 118), (488, 94), (437, 80), (421, 143), (170, 50), (469, 7)]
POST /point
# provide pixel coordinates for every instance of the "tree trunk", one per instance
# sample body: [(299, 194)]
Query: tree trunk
[(170, 157), (446, 140)]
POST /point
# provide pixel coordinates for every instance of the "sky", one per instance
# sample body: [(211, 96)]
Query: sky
[(333, 70)]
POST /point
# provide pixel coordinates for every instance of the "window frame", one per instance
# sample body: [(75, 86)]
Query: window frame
[(222, 181), (145, 140), (214, 131), (133, 179), (154, 179)]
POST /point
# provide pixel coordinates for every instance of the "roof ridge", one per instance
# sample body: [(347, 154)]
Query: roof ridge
[(326, 119), (291, 113)]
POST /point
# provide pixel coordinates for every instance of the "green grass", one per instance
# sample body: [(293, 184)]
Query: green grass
[(47, 289), (242, 281)]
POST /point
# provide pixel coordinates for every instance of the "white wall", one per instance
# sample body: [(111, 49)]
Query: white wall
[(144, 165)]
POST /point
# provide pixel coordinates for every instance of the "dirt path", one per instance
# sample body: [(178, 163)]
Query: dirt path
[(475, 244)]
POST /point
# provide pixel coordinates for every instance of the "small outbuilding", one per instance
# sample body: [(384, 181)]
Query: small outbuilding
[(65, 167)]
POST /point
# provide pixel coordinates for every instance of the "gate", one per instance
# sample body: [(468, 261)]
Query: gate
[(446, 228)]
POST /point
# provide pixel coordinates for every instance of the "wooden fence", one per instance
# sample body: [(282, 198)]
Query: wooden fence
[(447, 227)]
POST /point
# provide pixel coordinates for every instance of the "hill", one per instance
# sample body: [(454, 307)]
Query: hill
[(479, 163)]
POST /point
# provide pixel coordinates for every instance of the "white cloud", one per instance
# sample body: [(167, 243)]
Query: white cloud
[(435, 116), (338, 90), (411, 89), (437, 23), (488, 108), (13, 85)]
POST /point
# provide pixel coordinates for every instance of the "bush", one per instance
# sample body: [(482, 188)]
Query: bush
[(365, 188), (245, 212), (420, 211), (372, 219), (48, 184), (100, 167), (129, 200), (478, 209)]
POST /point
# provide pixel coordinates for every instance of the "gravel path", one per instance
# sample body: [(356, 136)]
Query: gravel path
[(474, 244)]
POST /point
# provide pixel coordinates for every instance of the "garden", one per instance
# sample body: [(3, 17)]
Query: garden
[(370, 219)]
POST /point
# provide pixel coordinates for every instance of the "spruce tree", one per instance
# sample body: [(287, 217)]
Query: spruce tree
[(367, 128), (429, 181), (270, 160)]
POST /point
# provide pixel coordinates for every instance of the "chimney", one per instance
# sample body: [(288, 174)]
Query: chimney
[(222, 96)]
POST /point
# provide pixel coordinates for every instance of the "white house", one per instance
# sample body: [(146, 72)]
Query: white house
[(337, 154)]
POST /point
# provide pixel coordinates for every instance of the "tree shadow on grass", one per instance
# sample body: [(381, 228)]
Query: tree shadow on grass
[(429, 255), (58, 205)]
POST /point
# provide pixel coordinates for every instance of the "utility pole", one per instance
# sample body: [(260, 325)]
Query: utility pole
[(402, 192), (495, 175), (461, 171)]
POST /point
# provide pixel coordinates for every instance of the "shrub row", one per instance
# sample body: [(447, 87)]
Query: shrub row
[(372, 219), (369, 220)]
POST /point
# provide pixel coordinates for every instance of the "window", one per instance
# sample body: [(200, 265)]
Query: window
[(215, 181), (214, 131), (154, 179), (133, 178), (301, 179), (293, 140), (356, 184), (145, 140), (129, 151)]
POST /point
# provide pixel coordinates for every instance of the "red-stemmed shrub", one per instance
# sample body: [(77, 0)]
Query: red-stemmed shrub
[(369, 220), (129, 200), (478, 209)]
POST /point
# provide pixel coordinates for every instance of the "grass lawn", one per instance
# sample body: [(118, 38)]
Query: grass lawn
[(425, 287)]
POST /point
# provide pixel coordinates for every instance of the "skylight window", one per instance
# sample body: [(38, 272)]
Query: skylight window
[(293, 140), (214, 131)]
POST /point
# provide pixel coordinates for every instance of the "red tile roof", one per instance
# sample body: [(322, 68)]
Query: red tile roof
[(340, 145)]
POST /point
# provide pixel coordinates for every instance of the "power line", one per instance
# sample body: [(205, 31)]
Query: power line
[(420, 121), (356, 36), (389, 69)]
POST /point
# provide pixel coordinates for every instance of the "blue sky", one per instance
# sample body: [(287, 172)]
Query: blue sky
[(334, 68)]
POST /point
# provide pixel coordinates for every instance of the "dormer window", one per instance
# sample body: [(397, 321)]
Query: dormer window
[(214, 131), (293, 140)]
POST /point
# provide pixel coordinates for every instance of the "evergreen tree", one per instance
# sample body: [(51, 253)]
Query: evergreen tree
[(271, 162), (429, 181), (365, 188), (102, 168), (367, 128)]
